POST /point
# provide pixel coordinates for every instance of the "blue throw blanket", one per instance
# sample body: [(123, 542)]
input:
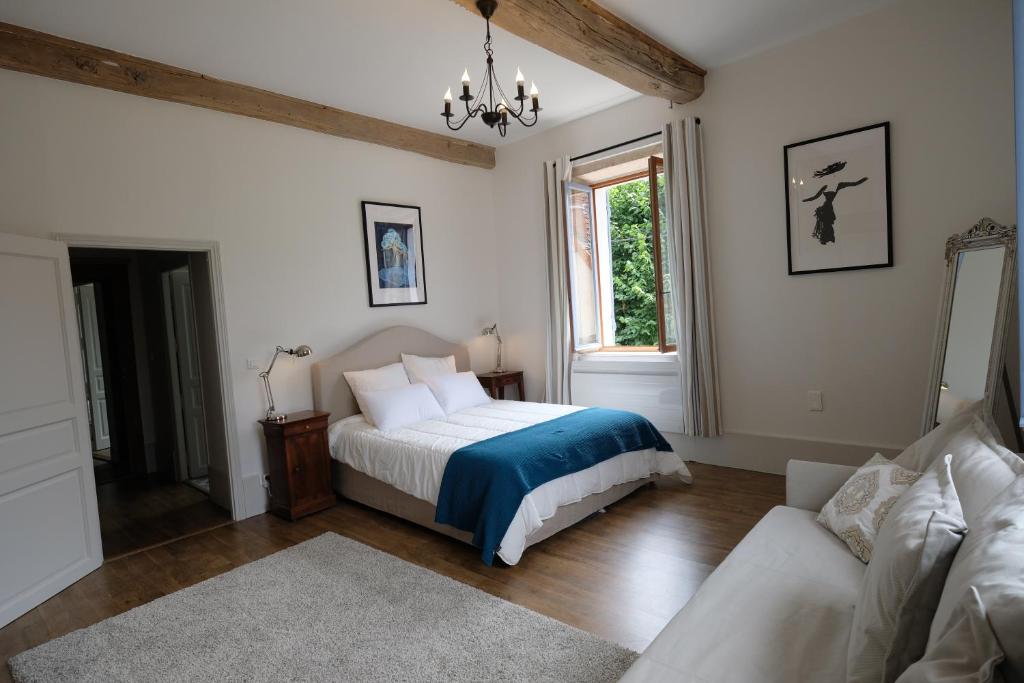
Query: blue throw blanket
[(485, 482)]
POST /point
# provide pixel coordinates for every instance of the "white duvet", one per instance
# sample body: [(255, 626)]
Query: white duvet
[(413, 458)]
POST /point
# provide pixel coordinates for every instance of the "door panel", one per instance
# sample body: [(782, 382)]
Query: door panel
[(31, 315), (190, 379), (94, 366), (49, 526)]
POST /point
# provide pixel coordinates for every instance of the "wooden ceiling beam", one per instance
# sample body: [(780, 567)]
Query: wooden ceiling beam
[(32, 52), (584, 32)]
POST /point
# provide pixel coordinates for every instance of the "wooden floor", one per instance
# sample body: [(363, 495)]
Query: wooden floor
[(140, 513), (621, 575)]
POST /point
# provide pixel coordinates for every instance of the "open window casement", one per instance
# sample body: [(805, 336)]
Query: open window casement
[(662, 252), (584, 270), (614, 208)]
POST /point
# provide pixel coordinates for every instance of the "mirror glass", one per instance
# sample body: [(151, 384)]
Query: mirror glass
[(972, 320)]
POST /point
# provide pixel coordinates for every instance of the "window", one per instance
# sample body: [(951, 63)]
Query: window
[(618, 268)]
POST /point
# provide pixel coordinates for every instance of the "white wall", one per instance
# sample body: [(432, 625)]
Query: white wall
[(940, 71), (284, 205)]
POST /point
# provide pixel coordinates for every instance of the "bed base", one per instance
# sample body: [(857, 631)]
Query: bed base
[(362, 488)]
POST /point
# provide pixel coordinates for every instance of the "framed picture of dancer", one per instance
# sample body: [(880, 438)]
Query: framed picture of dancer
[(838, 201), (393, 241)]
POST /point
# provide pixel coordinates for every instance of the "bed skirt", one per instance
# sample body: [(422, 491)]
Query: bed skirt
[(362, 488)]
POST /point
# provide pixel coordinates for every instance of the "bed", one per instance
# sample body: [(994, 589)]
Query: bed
[(400, 472)]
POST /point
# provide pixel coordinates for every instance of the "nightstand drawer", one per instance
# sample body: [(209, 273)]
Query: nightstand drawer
[(305, 427)]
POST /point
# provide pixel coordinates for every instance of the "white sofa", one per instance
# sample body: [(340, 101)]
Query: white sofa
[(780, 607)]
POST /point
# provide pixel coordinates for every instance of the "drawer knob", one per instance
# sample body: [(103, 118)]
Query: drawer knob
[(297, 469)]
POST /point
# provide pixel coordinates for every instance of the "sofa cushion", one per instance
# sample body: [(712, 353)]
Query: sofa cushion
[(991, 559), (778, 608), (968, 651), (856, 512), (904, 580)]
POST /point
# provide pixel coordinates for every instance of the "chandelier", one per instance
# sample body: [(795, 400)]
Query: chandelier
[(491, 102)]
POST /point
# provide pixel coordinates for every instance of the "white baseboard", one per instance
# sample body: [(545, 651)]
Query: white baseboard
[(769, 453)]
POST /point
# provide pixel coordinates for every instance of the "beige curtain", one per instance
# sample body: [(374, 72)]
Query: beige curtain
[(690, 269), (558, 387)]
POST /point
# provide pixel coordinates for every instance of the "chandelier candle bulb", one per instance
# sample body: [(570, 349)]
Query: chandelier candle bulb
[(535, 96), (520, 84), (465, 85), (448, 102)]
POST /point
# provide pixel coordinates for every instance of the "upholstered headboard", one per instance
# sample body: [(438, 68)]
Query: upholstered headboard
[(331, 391)]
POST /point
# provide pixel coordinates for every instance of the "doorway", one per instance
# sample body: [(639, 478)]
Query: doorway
[(150, 359)]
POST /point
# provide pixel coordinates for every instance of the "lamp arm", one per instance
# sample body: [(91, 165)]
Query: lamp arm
[(265, 376), (270, 395), (277, 352)]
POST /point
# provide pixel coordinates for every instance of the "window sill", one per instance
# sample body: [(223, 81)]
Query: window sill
[(627, 363)]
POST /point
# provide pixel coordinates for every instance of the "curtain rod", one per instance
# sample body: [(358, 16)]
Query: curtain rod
[(611, 147), (621, 144)]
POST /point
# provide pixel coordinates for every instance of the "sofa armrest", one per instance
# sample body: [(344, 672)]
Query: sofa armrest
[(809, 485)]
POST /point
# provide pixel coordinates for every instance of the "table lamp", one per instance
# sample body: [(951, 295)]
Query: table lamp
[(487, 331), (300, 351)]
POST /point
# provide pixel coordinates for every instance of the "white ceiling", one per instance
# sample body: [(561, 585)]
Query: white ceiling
[(393, 59), (716, 32)]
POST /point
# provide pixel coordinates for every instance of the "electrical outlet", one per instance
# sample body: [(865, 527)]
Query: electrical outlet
[(814, 401), (250, 364), (266, 481)]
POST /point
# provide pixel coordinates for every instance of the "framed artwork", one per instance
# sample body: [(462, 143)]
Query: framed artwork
[(839, 202), (393, 239)]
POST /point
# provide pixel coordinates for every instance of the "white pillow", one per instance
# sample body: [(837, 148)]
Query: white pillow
[(390, 409), (903, 582), (420, 367), (981, 468), (990, 560), (457, 392), (920, 455), (387, 377), (969, 650)]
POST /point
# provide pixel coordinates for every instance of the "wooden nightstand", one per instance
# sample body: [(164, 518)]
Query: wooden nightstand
[(495, 383), (300, 464)]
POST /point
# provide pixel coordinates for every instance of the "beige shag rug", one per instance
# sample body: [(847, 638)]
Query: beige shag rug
[(329, 609)]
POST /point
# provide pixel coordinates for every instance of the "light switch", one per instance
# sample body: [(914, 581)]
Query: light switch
[(250, 364), (814, 401)]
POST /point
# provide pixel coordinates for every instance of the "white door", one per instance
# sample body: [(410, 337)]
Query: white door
[(49, 527), (190, 379), (94, 383)]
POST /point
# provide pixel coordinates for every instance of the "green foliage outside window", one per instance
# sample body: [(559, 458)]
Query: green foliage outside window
[(633, 278)]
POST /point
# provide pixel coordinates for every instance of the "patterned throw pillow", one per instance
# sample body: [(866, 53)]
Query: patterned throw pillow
[(856, 512)]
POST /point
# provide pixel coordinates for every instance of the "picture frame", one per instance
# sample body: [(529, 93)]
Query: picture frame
[(825, 234), (393, 250)]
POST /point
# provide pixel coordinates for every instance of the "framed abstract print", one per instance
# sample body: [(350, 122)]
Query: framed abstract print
[(838, 202), (393, 238)]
